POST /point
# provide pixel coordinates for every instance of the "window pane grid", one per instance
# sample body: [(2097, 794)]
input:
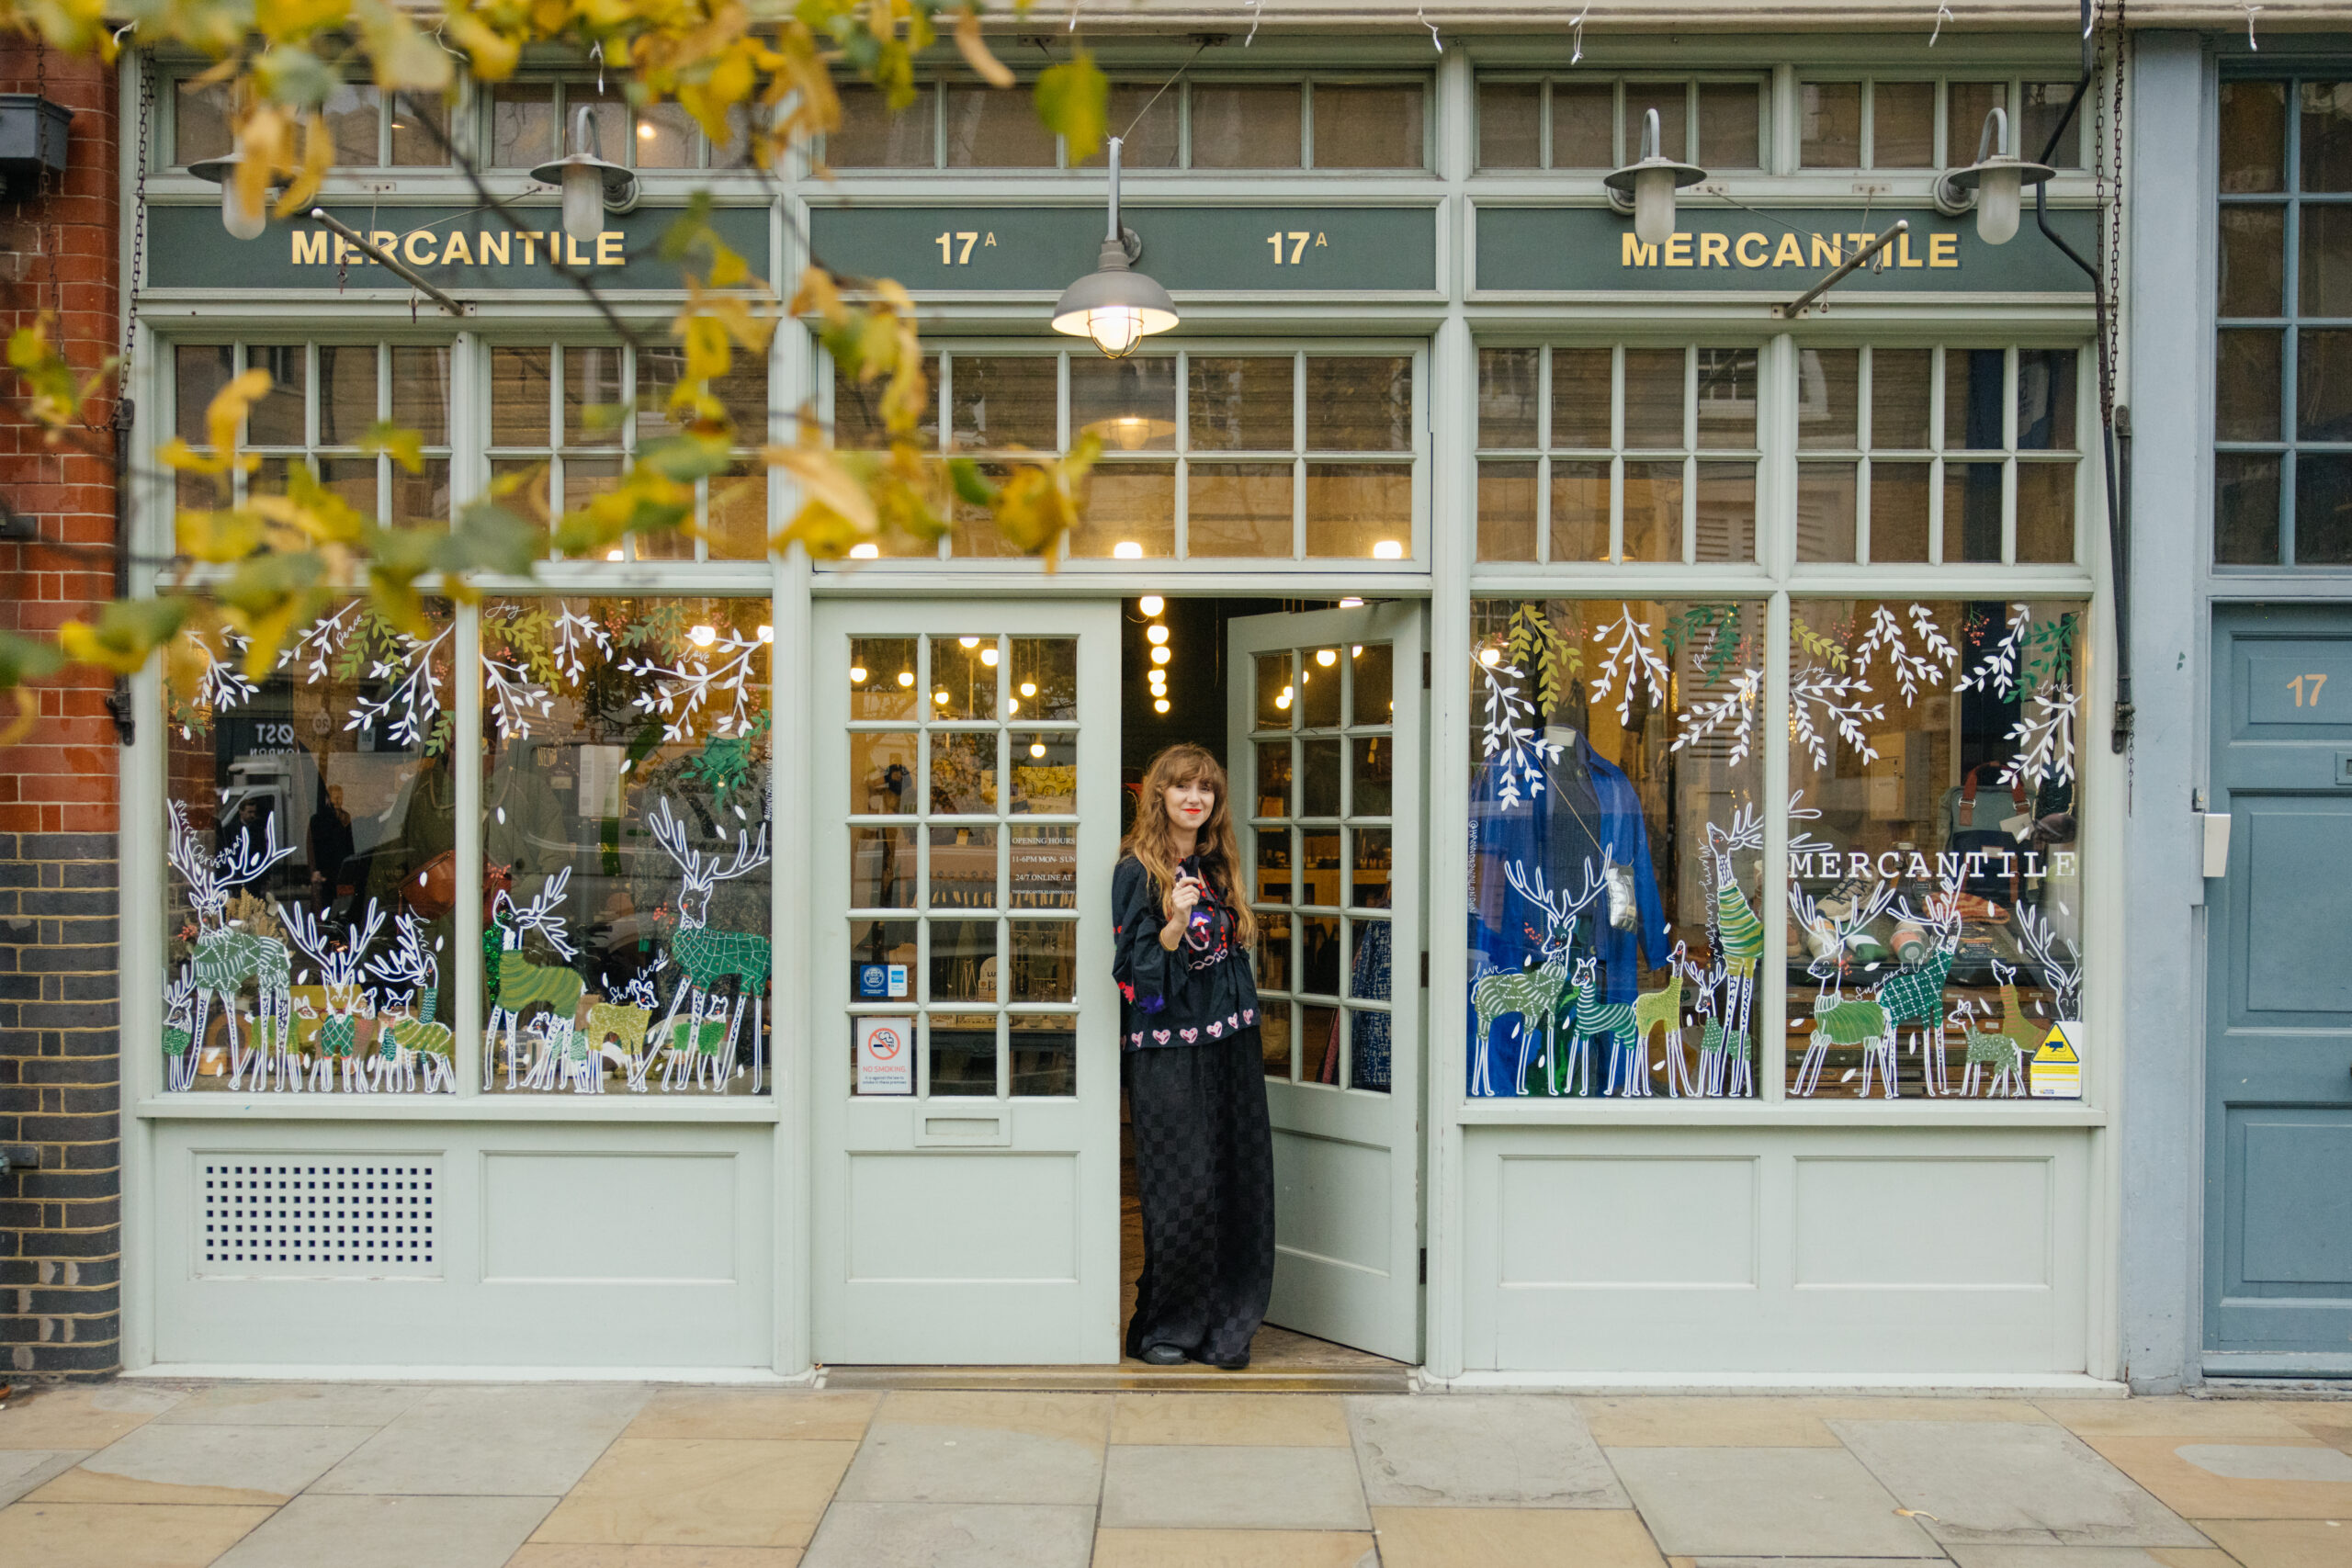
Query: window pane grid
[(1291, 456), (1672, 478), (1595, 122), (323, 398), (1373, 121), (602, 402), (2283, 466)]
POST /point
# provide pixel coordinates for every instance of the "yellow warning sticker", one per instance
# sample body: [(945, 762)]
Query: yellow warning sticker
[(2057, 1070)]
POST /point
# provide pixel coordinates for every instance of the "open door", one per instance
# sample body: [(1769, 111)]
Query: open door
[(966, 1072), (1325, 735)]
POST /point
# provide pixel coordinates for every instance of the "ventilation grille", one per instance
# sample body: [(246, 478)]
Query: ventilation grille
[(317, 1217)]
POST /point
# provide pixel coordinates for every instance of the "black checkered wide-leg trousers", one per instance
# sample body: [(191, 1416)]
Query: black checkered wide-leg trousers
[(1204, 1163)]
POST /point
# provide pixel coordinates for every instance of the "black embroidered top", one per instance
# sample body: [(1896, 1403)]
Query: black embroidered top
[(1201, 992)]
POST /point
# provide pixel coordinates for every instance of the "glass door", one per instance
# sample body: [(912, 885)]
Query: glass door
[(1325, 738), (966, 1070)]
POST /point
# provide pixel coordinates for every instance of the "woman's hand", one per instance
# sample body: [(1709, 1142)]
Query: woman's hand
[(1180, 899)]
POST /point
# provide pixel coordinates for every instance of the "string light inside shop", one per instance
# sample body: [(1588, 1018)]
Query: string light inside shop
[(1156, 634)]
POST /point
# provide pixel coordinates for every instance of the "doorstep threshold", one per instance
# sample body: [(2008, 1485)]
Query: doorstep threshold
[(1130, 1377)]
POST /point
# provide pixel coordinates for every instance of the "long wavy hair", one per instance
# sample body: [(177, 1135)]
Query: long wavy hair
[(1153, 840)]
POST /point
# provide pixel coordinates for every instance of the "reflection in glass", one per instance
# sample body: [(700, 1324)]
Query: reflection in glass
[(1238, 509), (882, 775), (1507, 511), (1318, 956), (1044, 1053), (963, 961), (882, 868), (1273, 865), (963, 1053), (1617, 785), (1045, 961), (1273, 779), (964, 677), (1374, 775), (1044, 677), (1045, 773), (310, 941), (963, 868), (1319, 696), (1276, 696), (1274, 1039), (625, 797), (1368, 881), (1935, 855), (1318, 868), (963, 772), (1318, 782), (1373, 679)]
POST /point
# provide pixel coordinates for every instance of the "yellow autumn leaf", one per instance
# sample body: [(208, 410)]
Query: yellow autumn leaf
[(830, 479), (986, 66)]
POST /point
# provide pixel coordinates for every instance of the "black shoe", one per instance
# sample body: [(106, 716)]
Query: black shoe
[(1162, 1356), (1227, 1364)]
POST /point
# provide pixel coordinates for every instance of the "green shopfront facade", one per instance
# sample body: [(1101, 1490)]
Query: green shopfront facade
[(696, 963)]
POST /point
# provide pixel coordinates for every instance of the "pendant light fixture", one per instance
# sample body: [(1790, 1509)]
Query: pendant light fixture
[(1993, 185), (1647, 189), (1114, 305), (242, 223), (592, 187)]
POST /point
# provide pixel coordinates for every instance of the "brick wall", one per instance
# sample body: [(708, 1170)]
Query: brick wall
[(60, 1038)]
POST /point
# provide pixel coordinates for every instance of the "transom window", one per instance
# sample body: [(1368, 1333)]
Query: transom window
[(1296, 455), (1936, 454), (1617, 454), (322, 402), (566, 418), (2282, 396), (1595, 122), (1254, 123), (1876, 123), (529, 120), (414, 136)]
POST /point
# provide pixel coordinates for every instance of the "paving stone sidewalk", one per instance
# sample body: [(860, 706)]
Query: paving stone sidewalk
[(143, 1474)]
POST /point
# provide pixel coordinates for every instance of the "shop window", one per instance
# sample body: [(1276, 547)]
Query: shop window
[(530, 120), (311, 840), (413, 134), (626, 796), (1617, 889), (1935, 895), (323, 400), (1241, 456), (1870, 123), (1617, 454), (1595, 122), (1320, 840), (1323, 123), (2283, 347), (566, 420), (964, 836), (1938, 455)]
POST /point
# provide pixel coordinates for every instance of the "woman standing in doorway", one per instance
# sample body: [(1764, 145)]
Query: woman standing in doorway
[(1195, 1082)]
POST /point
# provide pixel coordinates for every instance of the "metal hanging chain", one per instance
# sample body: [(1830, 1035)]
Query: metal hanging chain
[(131, 284), (2107, 169)]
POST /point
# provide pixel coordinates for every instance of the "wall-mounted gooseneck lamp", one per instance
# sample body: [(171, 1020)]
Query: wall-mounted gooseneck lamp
[(1993, 185), (1115, 305), (243, 223), (592, 187), (1647, 188)]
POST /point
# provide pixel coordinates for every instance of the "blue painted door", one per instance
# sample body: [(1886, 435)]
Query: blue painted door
[(2278, 1036)]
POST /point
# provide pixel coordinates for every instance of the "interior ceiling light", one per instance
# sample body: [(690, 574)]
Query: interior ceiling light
[(1993, 185), (1156, 634), (1151, 604), (1160, 707), (592, 187), (1159, 655), (988, 657), (1114, 305), (1647, 189)]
